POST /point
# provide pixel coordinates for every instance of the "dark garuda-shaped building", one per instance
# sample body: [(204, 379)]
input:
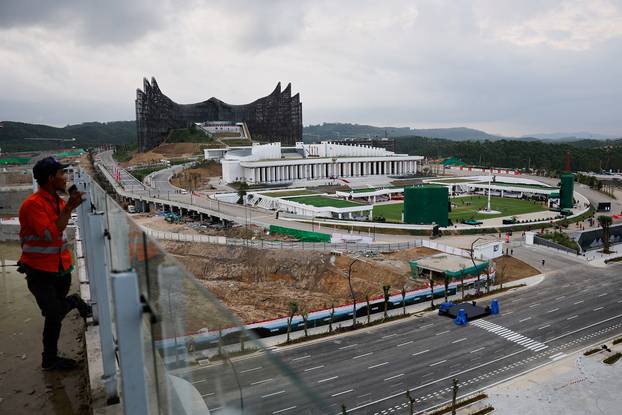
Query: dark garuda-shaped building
[(276, 117)]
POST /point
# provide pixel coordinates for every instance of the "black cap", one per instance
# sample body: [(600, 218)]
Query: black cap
[(46, 167)]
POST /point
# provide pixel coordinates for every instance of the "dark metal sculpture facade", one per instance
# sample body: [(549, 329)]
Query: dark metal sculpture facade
[(276, 117)]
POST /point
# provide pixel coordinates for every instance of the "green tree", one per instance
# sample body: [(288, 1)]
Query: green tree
[(352, 293), (293, 309), (385, 290)]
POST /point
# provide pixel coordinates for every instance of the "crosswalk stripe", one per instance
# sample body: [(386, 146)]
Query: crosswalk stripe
[(510, 335)]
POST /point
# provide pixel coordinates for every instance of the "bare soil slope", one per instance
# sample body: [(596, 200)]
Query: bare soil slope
[(259, 284)]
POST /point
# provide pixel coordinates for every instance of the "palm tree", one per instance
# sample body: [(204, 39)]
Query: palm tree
[(403, 299), (431, 279), (352, 293), (604, 222), (293, 309), (446, 277), (305, 319), (385, 290)]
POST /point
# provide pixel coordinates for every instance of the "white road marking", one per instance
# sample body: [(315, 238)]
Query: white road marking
[(272, 394), (393, 377), (251, 370), (603, 294), (341, 393), (313, 368), (442, 332), (199, 381), (421, 352), (389, 335), (283, 410), (261, 381), (507, 313), (553, 310), (302, 357), (385, 398), (575, 316), (598, 308), (543, 327), (534, 305), (404, 344), (438, 363), (560, 297), (378, 365), (362, 355), (510, 335), (426, 325), (524, 319), (459, 340), (477, 350), (346, 347), (578, 302), (327, 379), (207, 394)]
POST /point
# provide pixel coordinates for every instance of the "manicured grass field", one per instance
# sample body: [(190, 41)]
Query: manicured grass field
[(321, 201), (467, 208)]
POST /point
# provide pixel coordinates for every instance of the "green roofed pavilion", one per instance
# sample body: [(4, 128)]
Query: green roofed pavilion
[(447, 264)]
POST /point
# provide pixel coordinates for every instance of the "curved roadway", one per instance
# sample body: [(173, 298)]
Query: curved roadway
[(370, 370)]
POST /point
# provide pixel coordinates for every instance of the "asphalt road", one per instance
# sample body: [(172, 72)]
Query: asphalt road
[(370, 370)]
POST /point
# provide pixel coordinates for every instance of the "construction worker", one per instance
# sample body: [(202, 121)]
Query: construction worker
[(46, 256)]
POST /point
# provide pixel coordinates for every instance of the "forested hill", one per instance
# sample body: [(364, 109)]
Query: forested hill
[(587, 155), (87, 134), (343, 130)]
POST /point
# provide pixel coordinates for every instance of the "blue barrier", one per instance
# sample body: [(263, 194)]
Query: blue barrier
[(461, 319), (494, 307)]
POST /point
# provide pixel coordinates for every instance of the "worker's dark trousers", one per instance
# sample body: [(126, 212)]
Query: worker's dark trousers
[(50, 291)]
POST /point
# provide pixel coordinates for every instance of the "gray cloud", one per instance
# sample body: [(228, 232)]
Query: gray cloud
[(91, 22), (513, 68)]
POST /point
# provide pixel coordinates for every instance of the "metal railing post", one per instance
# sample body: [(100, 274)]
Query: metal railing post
[(100, 269), (129, 325)]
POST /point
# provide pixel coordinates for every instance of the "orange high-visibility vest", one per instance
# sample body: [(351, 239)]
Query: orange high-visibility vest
[(44, 248)]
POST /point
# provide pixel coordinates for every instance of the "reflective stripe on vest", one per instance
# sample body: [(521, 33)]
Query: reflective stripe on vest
[(47, 236), (41, 249)]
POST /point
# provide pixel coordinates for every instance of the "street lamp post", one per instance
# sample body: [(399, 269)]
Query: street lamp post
[(473, 261)]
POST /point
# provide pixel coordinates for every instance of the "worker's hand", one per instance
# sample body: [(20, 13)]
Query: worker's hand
[(75, 199)]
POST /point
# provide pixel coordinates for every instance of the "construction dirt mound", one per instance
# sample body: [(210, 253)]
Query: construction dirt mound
[(259, 284), (165, 151)]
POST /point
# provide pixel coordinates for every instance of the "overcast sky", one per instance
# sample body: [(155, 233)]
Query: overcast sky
[(507, 67)]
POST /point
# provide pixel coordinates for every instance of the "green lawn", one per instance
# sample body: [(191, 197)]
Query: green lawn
[(321, 201), (467, 208)]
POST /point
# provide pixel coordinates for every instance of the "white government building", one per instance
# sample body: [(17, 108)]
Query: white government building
[(271, 163)]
